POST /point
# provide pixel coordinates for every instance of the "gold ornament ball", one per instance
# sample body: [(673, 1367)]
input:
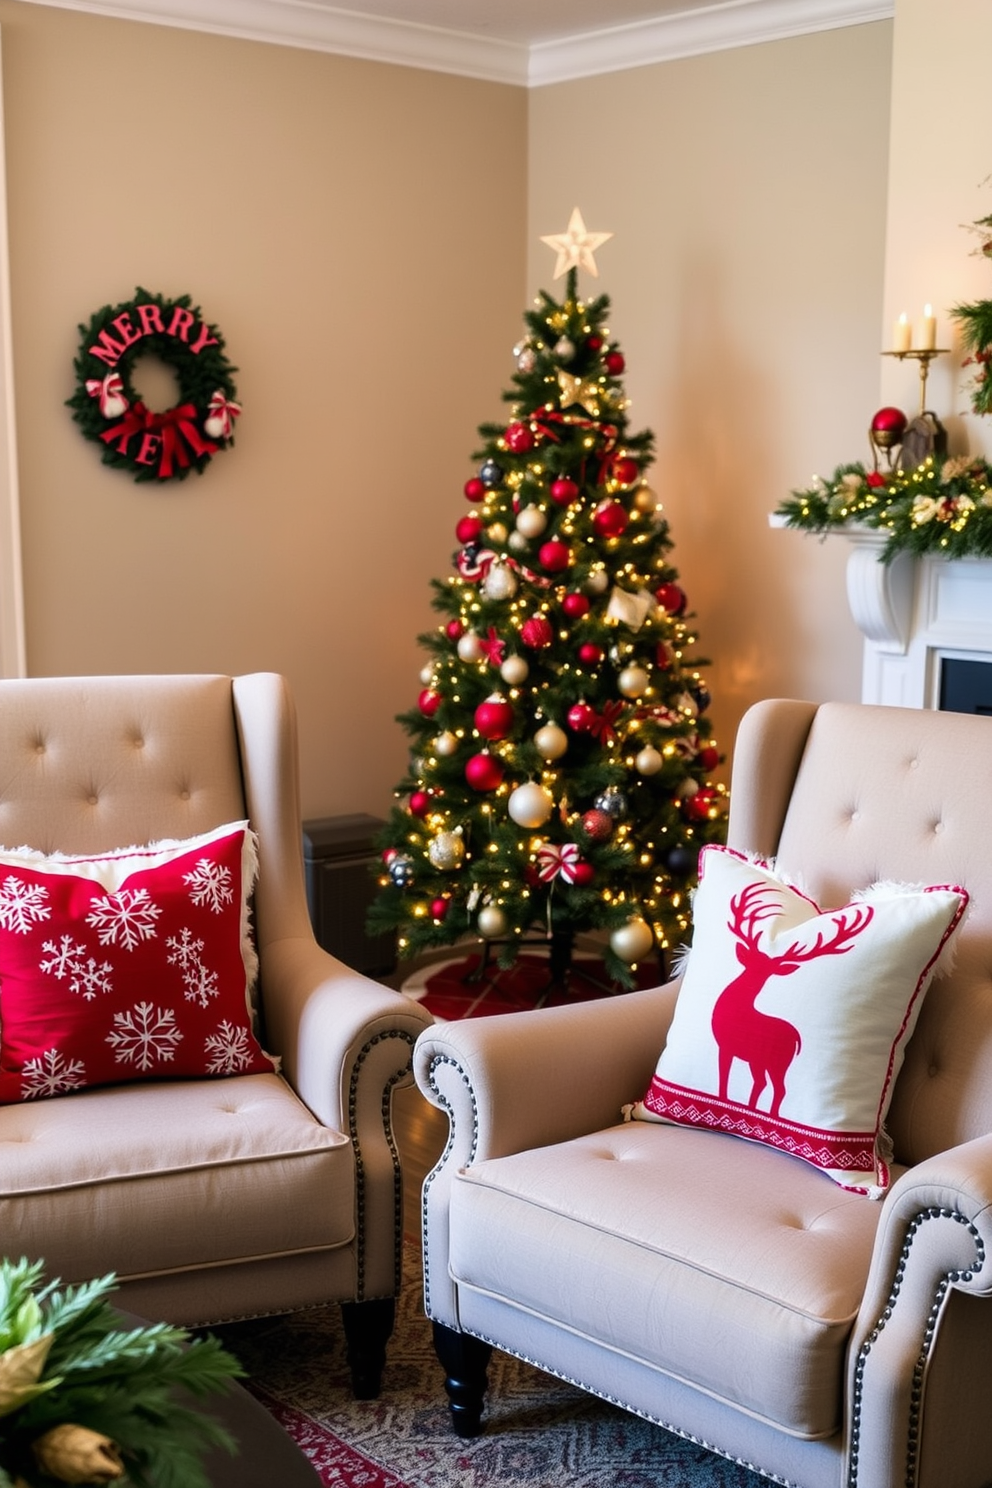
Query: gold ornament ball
[(645, 499), (445, 744), (500, 582), (492, 922), (530, 805), (649, 761), (514, 670), (531, 521), (469, 647), (632, 941), (597, 582), (496, 533), (551, 741), (633, 681), (516, 542), (446, 851)]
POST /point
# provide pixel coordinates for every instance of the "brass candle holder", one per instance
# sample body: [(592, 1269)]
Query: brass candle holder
[(924, 356)]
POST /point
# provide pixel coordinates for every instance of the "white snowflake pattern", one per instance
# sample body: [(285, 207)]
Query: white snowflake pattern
[(184, 949), (125, 918), (51, 1074), (143, 1035), (90, 977), (210, 884), (22, 905), (63, 956), (68, 959), (228, 1048), (201, 985)]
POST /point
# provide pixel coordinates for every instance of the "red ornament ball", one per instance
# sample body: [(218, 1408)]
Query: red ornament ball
[(563, 491), (581, 718), (671, 598), (595, 343), (589, 654), (388, 854), (709, 756), (532, 875), (554, 556), (494, 717), (428, 702), (614, 363), (519, 439), (610, 519), (439, 908), (626, 471), (537, 632), (420, 803), (454, 630), (475, 489), (889, 421), (484, 772), (597, 825), (583, 873), (468, 529), (697, 808), (575, 605)]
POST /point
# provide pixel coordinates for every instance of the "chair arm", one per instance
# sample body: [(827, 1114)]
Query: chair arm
[(521, 1080), (934, 1238), (332, 1027)]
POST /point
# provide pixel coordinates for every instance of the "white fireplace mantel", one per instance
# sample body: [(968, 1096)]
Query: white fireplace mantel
[(915, 613)]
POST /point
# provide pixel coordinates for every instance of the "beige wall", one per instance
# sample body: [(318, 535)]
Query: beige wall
[(357, 231), (940, 179), (747, 194), (365, 236)]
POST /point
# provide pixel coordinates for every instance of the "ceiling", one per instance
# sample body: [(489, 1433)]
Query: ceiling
[(525, 42)]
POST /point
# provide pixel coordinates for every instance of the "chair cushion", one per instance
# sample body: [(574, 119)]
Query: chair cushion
[(791, 1022), (146, 1179), (666, 1244), (133, 964)]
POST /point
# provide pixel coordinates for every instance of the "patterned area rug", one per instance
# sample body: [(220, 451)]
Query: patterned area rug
[(539, 1432)]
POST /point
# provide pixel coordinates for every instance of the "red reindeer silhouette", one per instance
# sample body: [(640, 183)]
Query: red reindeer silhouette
[(768, 1045)]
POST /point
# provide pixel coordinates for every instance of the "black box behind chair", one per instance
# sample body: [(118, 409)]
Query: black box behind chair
[(337, 855)]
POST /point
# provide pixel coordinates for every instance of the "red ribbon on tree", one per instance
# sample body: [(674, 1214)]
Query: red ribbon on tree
[(553, 860), (493, 648), (601, 725), (170, 429)]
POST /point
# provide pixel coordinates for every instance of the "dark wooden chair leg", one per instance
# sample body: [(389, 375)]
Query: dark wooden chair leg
[(367, 1328), (465, 1361)]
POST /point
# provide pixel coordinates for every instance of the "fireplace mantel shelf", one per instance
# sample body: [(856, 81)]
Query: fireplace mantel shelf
[(913, 613)]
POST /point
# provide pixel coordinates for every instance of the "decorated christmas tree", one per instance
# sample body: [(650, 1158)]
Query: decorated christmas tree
[(559, 774)]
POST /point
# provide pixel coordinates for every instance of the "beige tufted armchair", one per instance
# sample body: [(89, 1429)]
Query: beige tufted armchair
[(211, 1199), (727, 1291)]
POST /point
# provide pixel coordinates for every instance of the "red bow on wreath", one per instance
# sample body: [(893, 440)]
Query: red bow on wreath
[(553, 860), (165, 429)]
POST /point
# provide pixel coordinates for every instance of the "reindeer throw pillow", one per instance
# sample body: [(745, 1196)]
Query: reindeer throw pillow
[(791, 1021)]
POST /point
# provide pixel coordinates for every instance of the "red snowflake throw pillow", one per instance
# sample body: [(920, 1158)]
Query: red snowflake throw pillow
[(136, 964)]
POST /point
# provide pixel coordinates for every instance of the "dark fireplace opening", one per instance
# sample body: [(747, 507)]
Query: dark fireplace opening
[(966, 686)]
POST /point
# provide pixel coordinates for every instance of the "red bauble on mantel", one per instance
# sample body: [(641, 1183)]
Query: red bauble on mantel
[(890, 423)]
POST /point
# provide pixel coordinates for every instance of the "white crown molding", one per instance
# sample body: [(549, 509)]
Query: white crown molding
[(300, 23), (690, 33)]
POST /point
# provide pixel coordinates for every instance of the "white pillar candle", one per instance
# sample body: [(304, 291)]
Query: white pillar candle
[(928, 332), (902, 338)]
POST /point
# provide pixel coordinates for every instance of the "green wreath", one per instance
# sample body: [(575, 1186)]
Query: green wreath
[(154, 446)]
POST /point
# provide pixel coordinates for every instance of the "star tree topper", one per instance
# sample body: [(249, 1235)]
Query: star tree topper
[(576, 246)]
